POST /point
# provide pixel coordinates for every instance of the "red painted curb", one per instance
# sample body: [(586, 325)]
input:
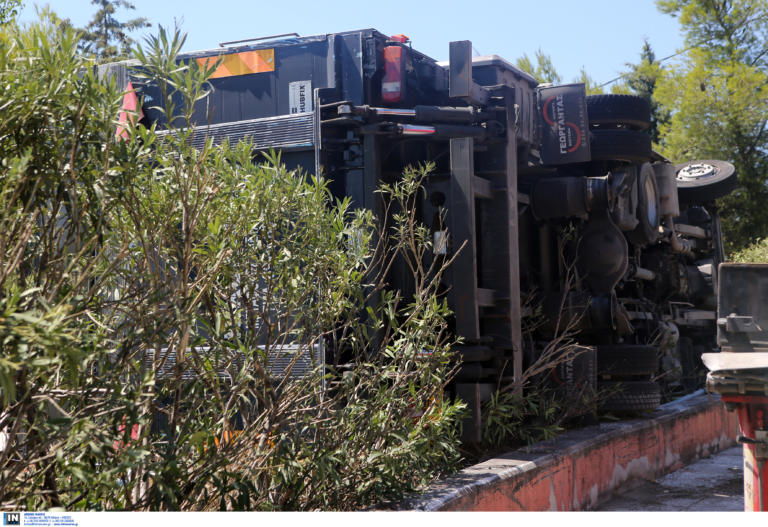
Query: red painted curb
[(583, 468)]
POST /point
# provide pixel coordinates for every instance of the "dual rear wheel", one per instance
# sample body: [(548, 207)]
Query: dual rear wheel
[(625, 372)]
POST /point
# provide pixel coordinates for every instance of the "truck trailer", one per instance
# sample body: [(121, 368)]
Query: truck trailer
[(556, 198)]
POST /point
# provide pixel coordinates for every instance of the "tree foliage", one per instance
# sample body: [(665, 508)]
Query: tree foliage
[(755, 253), (642, 80), (107, 37), (718, 100), (591, 87), (543, 71), (8, 10), (729, 30)]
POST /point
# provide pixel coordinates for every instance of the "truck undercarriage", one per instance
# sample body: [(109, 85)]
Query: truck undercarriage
[(561, 218)]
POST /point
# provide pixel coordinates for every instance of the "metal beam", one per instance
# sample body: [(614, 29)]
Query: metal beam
[(462, 232), (510, 182)]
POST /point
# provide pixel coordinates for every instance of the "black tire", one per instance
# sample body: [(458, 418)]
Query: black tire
[(621, 145), (612, 110), (628, 359), (630, 396), (700, 182), (647, 230), (578, 373)]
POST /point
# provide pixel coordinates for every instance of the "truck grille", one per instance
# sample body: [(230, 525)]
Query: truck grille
[(287, 360), (282, 132)]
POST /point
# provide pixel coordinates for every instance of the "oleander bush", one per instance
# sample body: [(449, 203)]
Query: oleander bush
[(199, 328)]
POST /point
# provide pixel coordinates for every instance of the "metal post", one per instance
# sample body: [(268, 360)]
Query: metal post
[(515, 313), (462, 232)]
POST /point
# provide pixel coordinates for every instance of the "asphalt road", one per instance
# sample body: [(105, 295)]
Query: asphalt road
[(711, 484)]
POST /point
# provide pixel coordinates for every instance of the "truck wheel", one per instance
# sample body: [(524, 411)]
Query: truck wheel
[(647, 230), (612, 110), (630, 396), (704, 181), (578, 373), (621, 145), (628, 359)]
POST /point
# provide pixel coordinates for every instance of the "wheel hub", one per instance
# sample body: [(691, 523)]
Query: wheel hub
[(696, 171)]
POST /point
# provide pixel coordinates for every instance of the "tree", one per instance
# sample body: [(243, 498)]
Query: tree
[(641, 80), (544, 71), (590, 85), (728, 29), (717, 97), (105, 36), (8, 10)]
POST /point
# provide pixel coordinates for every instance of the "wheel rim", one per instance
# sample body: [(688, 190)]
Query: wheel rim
[(696, 171)]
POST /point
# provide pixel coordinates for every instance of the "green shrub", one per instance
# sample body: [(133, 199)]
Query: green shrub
[(755, 253), (146, 288)]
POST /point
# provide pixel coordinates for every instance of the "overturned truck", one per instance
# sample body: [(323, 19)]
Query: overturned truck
[(563, 210)]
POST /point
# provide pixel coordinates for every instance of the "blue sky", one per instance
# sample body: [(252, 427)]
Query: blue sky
[(600, 35)]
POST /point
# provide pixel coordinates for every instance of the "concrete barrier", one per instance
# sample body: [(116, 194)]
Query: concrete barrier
[(583, 468)]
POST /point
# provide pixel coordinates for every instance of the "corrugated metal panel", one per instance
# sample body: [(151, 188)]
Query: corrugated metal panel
[(117, 71), (282, 132), (291, 360), (166, 370)]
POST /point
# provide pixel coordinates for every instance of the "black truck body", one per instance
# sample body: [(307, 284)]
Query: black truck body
[(530, 179)]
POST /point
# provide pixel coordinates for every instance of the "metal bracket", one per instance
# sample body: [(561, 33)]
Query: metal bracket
[(760, 442), (739, 324), (761, 448), (460, 83)]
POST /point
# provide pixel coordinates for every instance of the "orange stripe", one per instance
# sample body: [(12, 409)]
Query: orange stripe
[(245, 63)]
